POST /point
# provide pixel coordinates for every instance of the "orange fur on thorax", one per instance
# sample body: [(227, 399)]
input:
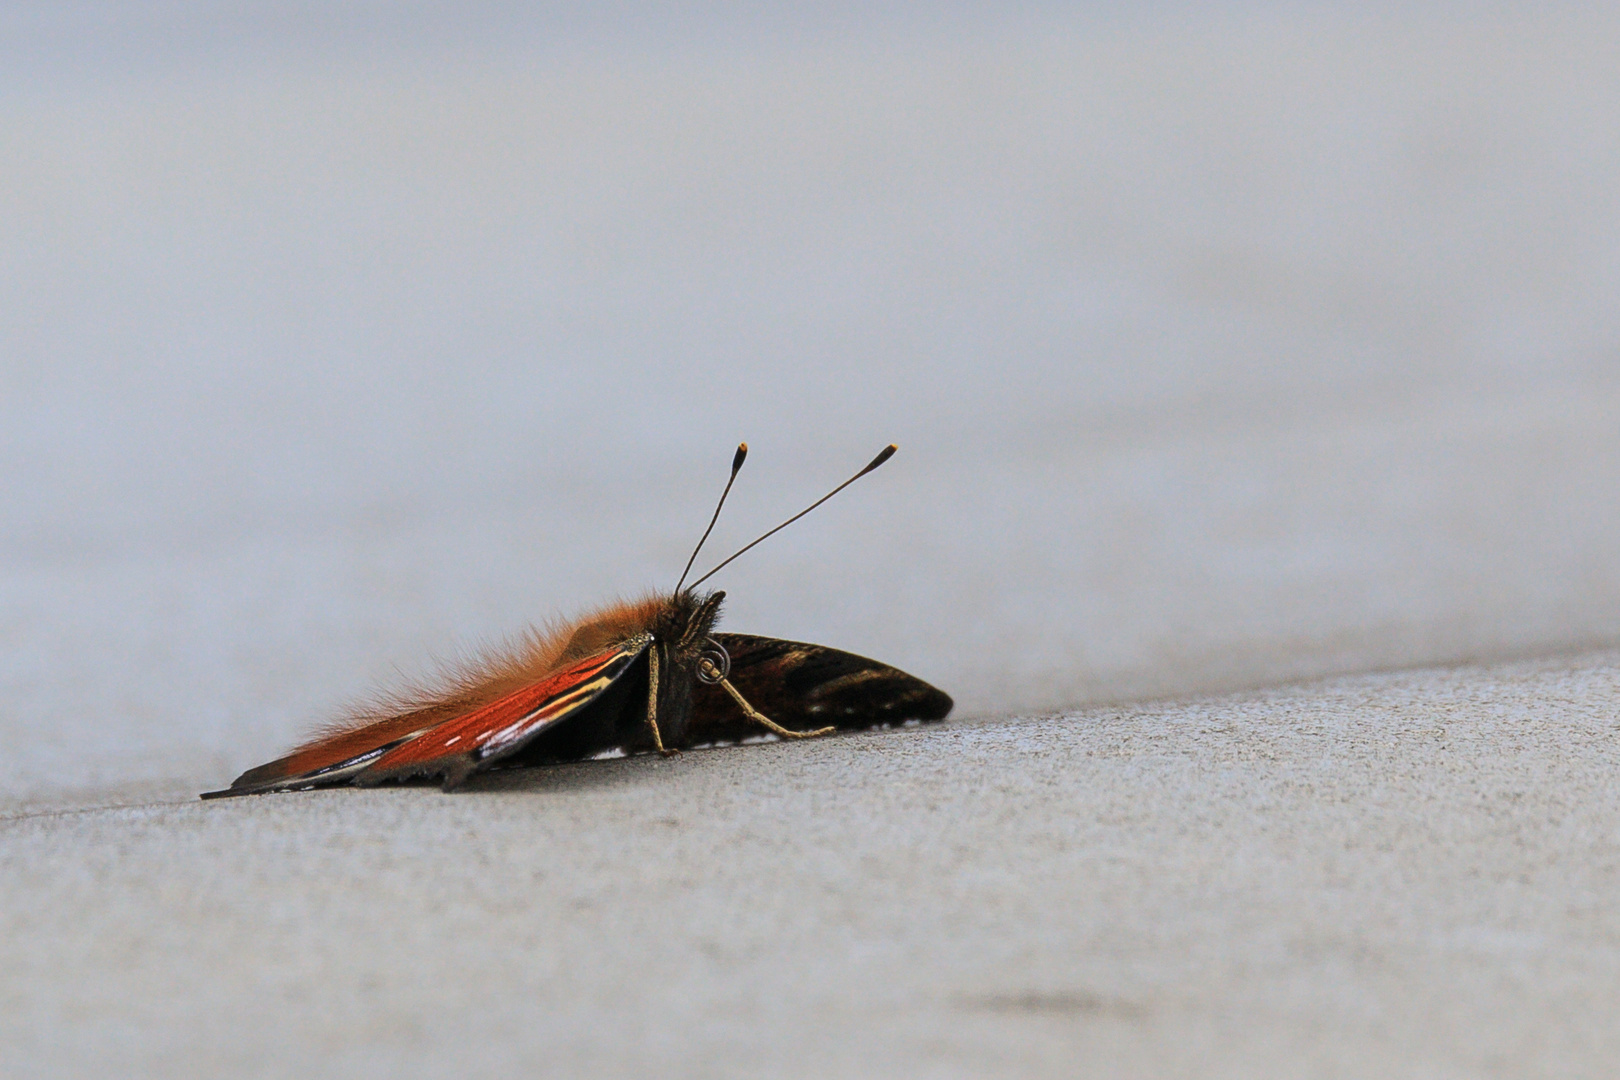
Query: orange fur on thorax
[(538, 653)]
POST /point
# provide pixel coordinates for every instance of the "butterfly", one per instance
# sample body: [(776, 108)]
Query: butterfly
[(649, 675)]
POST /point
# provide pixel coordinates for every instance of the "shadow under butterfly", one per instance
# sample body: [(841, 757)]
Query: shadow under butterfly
[(652, 674)]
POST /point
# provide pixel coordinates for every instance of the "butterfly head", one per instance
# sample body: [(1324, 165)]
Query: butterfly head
[(686, 623)]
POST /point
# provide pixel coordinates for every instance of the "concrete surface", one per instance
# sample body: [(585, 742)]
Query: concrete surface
[(1407, 875), (1226, 349)]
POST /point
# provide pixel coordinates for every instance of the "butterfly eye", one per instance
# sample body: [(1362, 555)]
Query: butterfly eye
[(714, 663)]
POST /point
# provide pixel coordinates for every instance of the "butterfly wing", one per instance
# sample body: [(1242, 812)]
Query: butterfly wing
[(803, 686), (453, 748)]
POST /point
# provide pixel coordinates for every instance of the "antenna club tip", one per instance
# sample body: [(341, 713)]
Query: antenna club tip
[(742, 452), (884, 455)]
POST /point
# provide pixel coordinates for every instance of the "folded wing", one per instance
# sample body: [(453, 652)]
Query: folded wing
[(452, 748), (803, 686)]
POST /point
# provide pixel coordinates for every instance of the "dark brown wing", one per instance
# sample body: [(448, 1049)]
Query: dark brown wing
[(803, 686)]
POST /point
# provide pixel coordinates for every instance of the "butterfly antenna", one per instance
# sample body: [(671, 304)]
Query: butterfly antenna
[(884, 455), (736, 465)]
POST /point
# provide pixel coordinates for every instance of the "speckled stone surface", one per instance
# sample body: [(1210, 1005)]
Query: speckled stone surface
[(1399, 875)]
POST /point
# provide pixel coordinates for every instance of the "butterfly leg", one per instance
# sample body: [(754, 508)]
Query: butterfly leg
[(652, 702), (766, 722)]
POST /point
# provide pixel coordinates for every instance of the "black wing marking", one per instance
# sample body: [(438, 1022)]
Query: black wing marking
[(803, 686)]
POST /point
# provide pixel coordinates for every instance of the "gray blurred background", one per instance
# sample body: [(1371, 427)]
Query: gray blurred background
[(1222, 348)]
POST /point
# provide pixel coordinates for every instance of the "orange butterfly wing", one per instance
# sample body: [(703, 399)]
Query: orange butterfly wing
[(454, 748)]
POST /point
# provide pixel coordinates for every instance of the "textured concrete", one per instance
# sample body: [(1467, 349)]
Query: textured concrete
[(1403, 875)]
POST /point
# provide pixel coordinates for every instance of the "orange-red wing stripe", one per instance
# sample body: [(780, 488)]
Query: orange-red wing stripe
[(487, 731)]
